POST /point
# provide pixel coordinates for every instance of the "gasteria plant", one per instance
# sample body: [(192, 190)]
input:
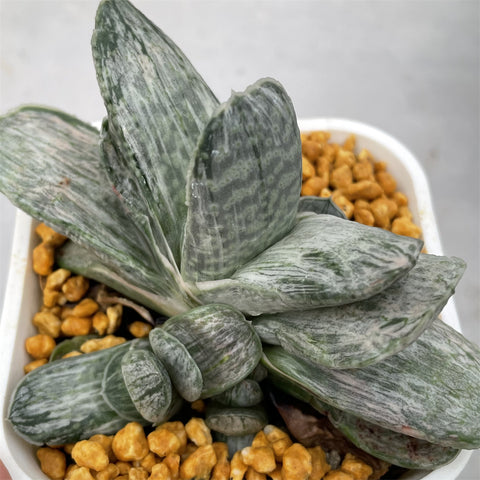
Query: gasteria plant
[(192, 208)]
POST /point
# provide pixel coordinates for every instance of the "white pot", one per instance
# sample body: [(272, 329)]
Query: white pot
[(23, 296)]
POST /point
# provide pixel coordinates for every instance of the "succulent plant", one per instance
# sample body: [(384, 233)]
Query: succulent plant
[(192, 208)]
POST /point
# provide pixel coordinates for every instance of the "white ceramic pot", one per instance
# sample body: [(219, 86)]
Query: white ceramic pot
[(23, 297)]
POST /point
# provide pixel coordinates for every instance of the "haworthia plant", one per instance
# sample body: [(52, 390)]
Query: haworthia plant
[(51, 168), (244, 186), (323, 261), (223, 344), (115, 391), (184, 372), (168, 300), (148, 384), (182, 201), (245, 393), (157, 106), (393, 447), (235, 421), (62, 401), (428, 391), (367, 331)]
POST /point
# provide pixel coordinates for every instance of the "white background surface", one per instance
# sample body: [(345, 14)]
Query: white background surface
[(410, 68)]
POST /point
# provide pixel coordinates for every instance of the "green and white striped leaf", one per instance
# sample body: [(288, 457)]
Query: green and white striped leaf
[(115, 391), (259, 373), (323, 261), (393, 447), (428, 391), (244, 186), (222, 343), (62, 401), (367, 331), (320, 205), (157, 106), (50, 167), (132, 194), (235, 421), (184, 372), (148, 384), (168, 298), (245, 393)]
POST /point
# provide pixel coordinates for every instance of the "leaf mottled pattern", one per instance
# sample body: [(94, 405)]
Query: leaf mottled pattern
[(50, 167), (393, 447), (244, 186), (429, 390), (323, 261), (62, 401), (148, 384), (157, 106), (222, 343), (367, 331)]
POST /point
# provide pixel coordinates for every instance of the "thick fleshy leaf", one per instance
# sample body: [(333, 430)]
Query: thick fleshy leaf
[(246, 393), (169, 297), (244, 185), (50, 166), (221, 342), (370, 439), (393, 447), (62, 401), (148, 384), (320, 205), (367, 331), (115, 391), (428, 391), (323, 261), (184, 372), (157, 106), (124, 182), (235, 421)]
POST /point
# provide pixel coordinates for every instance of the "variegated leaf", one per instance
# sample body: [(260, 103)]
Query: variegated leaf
[(157, 107), (243, 188), (221, 342), (50, 167), (367, 331), (169, 297), (323, 261), (115, 391), (62, 401), (184, 372), (428, 391), (393, 447), (148, 384)]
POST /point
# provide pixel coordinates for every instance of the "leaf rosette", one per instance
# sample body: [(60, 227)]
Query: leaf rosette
[(192, 208)]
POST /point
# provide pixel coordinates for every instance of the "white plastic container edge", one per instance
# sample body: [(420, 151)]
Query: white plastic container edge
[(22, 296)]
